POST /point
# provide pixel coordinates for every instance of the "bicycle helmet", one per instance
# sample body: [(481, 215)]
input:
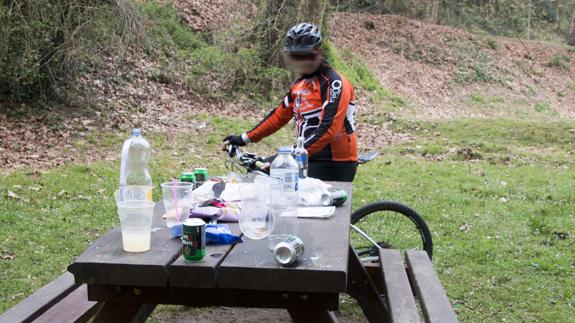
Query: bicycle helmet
[(302, 37)]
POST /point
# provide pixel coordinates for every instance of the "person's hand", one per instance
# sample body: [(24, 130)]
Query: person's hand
[(233, 140), (266, 166)]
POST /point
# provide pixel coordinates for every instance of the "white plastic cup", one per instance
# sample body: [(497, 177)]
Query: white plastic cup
[(177, 197), (136, 224)]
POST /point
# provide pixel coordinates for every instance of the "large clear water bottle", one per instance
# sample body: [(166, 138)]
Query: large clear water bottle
[(284, 187), (135, 178), (300, 155)]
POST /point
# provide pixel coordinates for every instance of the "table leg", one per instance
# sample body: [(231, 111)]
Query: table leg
[(361, 287), (310, 314), (122, 312)]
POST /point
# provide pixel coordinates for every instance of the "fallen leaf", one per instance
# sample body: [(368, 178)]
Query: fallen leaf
[(13, 195), (464, 227), (7, 255)]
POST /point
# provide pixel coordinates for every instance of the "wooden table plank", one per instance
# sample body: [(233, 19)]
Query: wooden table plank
[(73, 308), (36, 304), (322, 268), (200, 274), (201, 297), (400, 300), (105, 262), (434, 303)]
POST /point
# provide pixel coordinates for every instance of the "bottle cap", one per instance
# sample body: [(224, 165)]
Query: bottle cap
[(136, 132), (285, 149)]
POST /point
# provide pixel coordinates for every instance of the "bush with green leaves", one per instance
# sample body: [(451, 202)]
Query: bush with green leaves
[(45, 43)]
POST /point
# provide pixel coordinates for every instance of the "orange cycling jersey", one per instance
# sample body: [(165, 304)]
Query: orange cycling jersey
[(323, 105)]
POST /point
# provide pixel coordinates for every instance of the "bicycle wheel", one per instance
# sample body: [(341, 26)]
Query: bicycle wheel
[(391, 225)]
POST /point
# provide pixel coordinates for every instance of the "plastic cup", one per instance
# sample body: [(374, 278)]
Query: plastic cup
[(136, 224), (256, 222), (177, 198)]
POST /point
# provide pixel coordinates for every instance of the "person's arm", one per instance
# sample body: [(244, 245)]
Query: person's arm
[(337, 100), (275, 120)]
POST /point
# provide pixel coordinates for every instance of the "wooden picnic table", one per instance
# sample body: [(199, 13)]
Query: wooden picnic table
[(110, 285), (245, 274)]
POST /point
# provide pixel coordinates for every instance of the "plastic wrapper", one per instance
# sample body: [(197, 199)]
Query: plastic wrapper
[(230, 213), (205, 212), (220, 234)]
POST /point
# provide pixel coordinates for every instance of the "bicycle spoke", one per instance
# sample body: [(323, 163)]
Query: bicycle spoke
[(390, 230)]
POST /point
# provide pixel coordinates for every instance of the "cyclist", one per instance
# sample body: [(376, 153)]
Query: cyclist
[(322, 102)]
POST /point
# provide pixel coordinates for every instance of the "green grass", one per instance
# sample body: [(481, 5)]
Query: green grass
[(560, 61), (513, 263), (507, 141)]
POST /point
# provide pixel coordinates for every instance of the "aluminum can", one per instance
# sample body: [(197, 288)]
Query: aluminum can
[(194, 239), (287, 251), (201, 176), (335, 197), (188, 177)]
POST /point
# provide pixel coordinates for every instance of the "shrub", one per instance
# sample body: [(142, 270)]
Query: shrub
[(560, 61), (45, 43)]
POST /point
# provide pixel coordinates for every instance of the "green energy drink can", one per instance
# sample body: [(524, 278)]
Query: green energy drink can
[(194, 239), (335, 197), (188, 177), (201, 176)]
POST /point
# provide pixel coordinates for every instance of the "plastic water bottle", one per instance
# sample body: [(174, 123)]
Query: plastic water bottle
[(284, 186), (135, 178), (300, 155)]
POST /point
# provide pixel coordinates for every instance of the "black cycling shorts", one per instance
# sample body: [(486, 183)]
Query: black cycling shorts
[(343, 171), (332, 170)]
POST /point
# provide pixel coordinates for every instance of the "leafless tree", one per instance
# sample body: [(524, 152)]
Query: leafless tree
[(570, 37)]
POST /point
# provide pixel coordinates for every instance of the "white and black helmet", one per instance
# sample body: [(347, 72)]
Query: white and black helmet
[(302, 38)]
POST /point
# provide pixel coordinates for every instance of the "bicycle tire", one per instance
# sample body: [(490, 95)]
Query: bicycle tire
[(411, 214)]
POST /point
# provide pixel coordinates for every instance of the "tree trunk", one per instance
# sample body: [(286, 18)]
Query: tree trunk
[(570, 37), (312, 11), (432, 11)]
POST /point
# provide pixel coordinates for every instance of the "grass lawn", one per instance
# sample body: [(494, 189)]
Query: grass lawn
[(497, 194)]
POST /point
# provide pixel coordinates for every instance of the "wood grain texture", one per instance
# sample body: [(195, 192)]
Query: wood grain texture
[(400, 300), (201, 297), (361, 287), (435, 305), (322, 268), (37, 303), (73, 308), (105, 262), (200, 274)]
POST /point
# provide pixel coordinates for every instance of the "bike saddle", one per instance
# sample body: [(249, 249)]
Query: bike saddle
[(365, 157)]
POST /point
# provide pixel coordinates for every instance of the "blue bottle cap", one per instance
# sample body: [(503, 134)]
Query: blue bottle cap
[(136, 132)]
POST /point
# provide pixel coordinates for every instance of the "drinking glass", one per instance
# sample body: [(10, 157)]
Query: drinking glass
[(256, 222)]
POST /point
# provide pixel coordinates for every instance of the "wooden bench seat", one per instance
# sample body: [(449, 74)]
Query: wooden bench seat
[(61, 300), (419, 278)]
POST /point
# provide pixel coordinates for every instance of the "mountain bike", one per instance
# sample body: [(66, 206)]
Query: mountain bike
[(382, 224)]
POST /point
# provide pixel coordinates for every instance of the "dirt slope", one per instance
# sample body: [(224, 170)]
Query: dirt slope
[(441, 72), (447, 72)]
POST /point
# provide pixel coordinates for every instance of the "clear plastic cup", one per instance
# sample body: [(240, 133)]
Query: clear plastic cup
[(177, 197), (136, 224), (256, 221)]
